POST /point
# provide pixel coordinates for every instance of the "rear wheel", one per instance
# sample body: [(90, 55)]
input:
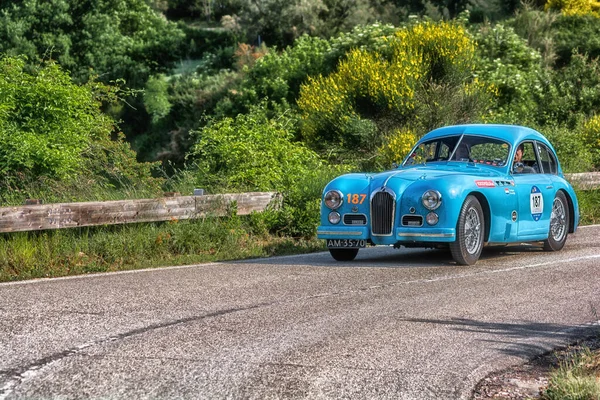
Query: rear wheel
[(559, 224), (470, 228), (343, 254)]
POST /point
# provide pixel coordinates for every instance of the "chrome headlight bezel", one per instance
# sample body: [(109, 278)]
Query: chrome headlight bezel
[(333, 199), (431, 199)]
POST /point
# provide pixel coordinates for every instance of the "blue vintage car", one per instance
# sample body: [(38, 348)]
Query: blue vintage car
[(460, 187)]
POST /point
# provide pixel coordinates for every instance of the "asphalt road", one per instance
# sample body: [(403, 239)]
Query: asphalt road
[(401, 324)]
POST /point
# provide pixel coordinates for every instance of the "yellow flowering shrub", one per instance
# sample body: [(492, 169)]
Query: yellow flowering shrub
[(396, 146), (575, 7), (589, 135), (591, 131), (367, 84)]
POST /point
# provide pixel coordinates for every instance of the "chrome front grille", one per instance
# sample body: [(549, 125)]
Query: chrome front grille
[(355, 219), (383, 205)]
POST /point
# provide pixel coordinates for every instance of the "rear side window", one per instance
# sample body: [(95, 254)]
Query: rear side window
[(548, 160)]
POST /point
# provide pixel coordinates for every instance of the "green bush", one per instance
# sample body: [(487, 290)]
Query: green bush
[(423, 77), (115, 39), (570, 93), (576, 32), (573, 154), (47, 123), (56, 141), (506, 61), (251, 152)]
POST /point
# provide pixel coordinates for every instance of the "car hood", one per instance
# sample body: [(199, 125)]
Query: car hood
[(402, 177)]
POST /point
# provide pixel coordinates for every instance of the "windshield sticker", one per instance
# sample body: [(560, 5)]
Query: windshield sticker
[(485, 183), (536, 203)]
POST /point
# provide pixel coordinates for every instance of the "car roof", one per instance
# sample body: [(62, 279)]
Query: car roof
[(510, 133)]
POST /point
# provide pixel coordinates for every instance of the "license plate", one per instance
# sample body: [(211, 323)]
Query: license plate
[(346, 243)]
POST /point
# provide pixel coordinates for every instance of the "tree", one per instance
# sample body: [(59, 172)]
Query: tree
[(114, 39)]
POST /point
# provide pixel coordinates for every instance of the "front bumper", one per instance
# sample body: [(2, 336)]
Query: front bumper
[(400, 234)]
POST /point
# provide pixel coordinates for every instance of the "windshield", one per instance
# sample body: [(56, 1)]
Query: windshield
[(471, 148)]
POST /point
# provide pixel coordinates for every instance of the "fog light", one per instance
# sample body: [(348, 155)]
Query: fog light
[(334, 217), (432, 218)]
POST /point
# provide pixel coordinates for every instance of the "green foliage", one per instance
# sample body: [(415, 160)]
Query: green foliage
[(573, 154), (28, 255), (405, 83), (156, 97), (536, 27), (251, 152), (571, 92), (590, 136), (577, 32), (589, 206), (278, 76), (506, 61), (115, 39), (46, 122), (575, 378), (53, 132)]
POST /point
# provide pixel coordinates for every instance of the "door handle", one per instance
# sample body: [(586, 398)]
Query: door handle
[(549, 187)]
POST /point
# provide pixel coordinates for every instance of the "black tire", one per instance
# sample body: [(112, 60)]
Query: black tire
[(470, 229), (559, 223), (343, 254)]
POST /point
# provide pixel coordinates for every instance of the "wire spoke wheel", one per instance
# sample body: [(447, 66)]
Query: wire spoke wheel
[(470, 230), (559, 223)]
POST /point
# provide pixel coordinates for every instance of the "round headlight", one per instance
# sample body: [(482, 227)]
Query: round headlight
[(432, 218), (432, 199), (334, 217), (333, 199)]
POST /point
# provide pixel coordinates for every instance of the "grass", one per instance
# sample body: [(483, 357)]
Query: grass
[(576, 378), (589, 206), (29, 255)]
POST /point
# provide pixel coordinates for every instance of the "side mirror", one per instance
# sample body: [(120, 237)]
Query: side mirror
[(394, 165)]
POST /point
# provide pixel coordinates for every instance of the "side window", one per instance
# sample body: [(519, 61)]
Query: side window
[(549, 163), (525, 161), (444, 152)]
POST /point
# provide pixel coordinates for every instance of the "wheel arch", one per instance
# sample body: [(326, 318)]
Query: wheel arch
[(571, 210), (487, 217)]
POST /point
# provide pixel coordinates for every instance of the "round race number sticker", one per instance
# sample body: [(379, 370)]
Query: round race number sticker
[(536, 203)]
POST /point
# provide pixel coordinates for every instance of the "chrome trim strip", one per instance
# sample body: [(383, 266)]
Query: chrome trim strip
[(411, 215), (456, 146), (440, 235), (345, 233), (388, 179)]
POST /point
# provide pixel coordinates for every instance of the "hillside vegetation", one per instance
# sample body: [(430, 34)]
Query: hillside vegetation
[(112, 99)]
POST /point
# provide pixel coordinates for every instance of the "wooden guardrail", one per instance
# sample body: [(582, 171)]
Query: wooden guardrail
[(584, 180), (72, 215)]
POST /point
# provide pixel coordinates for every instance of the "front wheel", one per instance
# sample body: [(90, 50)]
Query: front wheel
[(343, 254), (470, 229), (559, 224)]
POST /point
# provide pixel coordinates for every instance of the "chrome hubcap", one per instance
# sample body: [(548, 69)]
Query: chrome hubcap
[(472, 231), (558, 221)]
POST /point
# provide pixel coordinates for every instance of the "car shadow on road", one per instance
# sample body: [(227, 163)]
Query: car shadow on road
[(388, 257), (522, 339)]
